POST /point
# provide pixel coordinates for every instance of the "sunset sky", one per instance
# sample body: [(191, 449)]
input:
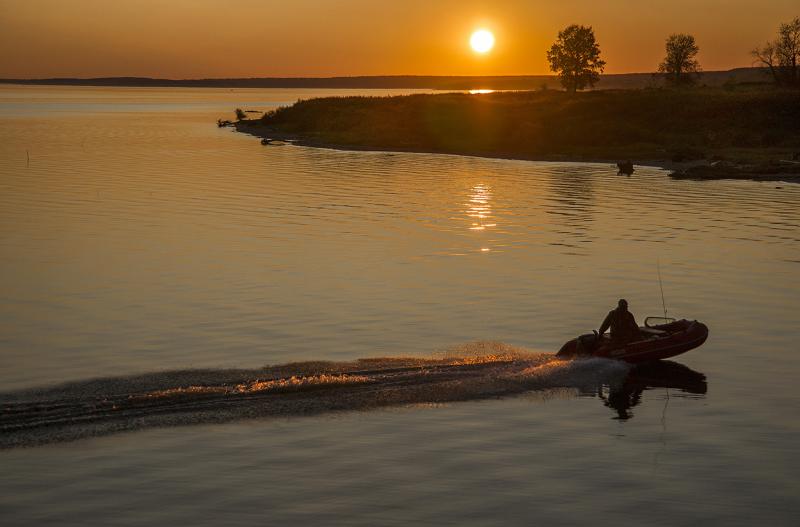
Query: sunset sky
[(263, 38)]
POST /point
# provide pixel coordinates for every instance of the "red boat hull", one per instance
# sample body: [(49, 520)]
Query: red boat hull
[(661, 342)]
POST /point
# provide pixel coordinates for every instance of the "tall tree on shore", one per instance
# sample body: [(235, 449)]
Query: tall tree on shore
[(782, 55), (680, 64), (575, 56)]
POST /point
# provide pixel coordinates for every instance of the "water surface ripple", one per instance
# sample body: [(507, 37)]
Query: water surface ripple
[(139, 241)]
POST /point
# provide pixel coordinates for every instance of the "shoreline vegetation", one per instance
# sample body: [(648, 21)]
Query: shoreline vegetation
[(741, 132)]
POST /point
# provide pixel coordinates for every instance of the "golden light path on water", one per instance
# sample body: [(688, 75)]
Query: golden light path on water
[(479, 210)]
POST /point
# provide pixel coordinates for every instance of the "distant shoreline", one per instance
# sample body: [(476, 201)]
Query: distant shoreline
[(702, 134), (425, 82)]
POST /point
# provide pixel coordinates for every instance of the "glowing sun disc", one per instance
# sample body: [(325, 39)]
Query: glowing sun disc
[(482, 41)]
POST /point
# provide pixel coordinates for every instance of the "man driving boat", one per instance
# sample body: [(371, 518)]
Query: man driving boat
[(622, 324)]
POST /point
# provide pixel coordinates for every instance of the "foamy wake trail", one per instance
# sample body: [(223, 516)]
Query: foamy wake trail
[(105, 406)]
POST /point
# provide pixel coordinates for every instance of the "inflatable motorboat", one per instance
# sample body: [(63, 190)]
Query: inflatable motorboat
[(661, 338)]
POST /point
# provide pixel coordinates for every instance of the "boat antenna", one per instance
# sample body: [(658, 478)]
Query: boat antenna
[(661, 286)]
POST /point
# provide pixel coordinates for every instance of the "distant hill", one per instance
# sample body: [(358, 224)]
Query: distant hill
[(520, 82)]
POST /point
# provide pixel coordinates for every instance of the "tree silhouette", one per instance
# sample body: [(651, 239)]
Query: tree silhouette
[(782, 55), (680, 64), (575, 56)]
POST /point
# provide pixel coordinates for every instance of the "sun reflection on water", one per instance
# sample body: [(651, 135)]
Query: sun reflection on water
[(479, 210)]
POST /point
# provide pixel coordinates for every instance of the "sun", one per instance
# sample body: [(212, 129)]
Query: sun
[(482, 41)]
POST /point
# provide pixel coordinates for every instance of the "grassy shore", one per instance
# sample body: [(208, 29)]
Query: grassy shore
[(756, 125)]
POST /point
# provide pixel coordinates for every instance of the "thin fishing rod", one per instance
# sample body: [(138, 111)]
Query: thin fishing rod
[(661, 286)]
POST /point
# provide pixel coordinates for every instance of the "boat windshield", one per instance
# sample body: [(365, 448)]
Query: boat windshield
[(657, 321)]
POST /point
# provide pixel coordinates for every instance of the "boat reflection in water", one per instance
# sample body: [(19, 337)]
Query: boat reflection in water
[(647, 376)]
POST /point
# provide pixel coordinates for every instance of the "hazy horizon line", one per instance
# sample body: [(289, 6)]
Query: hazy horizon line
[(329, 77)]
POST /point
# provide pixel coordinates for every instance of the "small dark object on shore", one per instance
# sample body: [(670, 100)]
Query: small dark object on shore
[(625, 167), (222, 124), (266, 141)]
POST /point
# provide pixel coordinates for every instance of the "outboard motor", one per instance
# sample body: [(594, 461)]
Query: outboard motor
[(587, 344), (581, 346)]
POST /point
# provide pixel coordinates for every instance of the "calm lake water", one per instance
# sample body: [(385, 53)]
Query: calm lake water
[(137, 237)]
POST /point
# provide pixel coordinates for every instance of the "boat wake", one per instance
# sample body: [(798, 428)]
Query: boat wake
[(106, 406)]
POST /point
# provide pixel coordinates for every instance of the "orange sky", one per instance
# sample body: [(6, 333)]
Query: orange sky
[(262, 38)]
